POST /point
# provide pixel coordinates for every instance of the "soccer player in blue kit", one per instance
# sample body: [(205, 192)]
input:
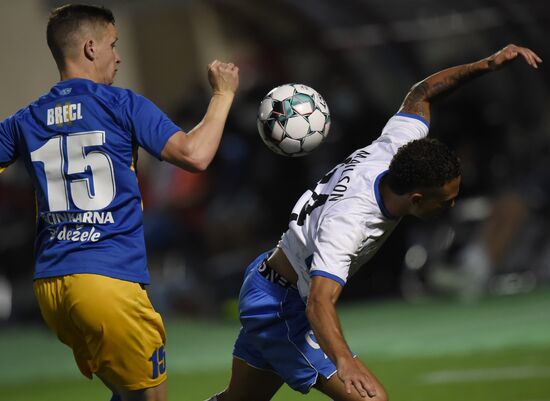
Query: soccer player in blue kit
[(290, 328), (79, 144)]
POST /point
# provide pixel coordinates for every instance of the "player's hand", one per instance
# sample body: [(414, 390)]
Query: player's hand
[(223, 77), (356, 377), (510, 53)]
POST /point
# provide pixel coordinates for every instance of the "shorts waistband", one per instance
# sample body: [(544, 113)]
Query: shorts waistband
[(273, 276)]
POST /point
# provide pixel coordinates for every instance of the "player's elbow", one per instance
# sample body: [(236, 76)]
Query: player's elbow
[(197, 165), (187, 162), (186, 154), (193, 158), (200, 168), (419, 92), (193, 164)]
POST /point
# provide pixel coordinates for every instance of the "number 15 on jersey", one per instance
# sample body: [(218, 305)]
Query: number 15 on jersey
[(94, 192)]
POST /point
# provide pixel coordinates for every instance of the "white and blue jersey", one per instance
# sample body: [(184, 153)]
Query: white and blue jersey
[(340, 224), (79, 144)]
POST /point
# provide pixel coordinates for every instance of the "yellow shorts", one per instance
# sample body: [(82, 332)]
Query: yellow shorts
[(111, 326)]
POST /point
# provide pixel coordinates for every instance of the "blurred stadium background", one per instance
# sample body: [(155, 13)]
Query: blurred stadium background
[(452, 309)]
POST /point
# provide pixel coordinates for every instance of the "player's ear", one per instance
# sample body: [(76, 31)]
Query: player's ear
[(89, 49), (415, 198)]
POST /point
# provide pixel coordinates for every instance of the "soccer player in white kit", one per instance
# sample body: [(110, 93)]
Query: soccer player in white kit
[(290, 329)]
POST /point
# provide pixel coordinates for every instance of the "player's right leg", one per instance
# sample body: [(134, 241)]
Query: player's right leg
[(249, 384), (113, 330)]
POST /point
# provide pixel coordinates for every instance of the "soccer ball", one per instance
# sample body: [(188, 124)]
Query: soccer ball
[(293, 119)]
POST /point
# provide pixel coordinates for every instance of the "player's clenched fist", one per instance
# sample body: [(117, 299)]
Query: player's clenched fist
[(223, 77)]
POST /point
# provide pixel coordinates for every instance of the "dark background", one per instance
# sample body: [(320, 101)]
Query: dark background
[(363, 56)]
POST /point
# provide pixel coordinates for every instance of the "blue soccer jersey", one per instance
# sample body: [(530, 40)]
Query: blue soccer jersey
[(79, 143)]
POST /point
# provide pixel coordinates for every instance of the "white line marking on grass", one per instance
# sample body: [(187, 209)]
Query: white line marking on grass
[(477, 375)]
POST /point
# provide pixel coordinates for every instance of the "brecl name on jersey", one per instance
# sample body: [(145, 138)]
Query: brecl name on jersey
[(65, 114)]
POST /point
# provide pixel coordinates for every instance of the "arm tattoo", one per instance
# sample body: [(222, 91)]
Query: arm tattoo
[(449, 79), (414, 101), (443, 82)]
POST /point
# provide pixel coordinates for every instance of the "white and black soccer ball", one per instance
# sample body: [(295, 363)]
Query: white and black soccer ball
[(293, 119)]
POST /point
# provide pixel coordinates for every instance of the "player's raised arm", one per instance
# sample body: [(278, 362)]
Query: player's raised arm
[(421, 95), (195, 150)]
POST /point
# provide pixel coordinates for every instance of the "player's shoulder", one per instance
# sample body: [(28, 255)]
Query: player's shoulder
[(402, 117), (123, 97), (114, 95), (402, 122), (400, 129), (19, 115)]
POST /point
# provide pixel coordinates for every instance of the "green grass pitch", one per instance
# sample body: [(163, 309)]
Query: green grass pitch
[(495, 350)]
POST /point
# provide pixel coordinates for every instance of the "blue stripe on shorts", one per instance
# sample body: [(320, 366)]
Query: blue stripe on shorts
[(276, 334)]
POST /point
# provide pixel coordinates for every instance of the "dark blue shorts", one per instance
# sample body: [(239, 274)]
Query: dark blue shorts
[(276, 334)]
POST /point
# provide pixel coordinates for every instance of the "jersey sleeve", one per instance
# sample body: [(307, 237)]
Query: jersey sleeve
[(403, 128), (338, 239), (151, 127), (8, 148)]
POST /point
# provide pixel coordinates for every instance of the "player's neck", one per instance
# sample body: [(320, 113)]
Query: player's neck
[(72, 71), (396, 205)]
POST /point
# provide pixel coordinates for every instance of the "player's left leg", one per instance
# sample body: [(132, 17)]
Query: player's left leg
[(249, 384)]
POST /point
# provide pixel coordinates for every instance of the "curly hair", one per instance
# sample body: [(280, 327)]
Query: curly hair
[(66, 20), (423, 163)]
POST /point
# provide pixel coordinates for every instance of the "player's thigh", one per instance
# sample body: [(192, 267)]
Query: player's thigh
[(250, 384), (334, 388), (124, 335)]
